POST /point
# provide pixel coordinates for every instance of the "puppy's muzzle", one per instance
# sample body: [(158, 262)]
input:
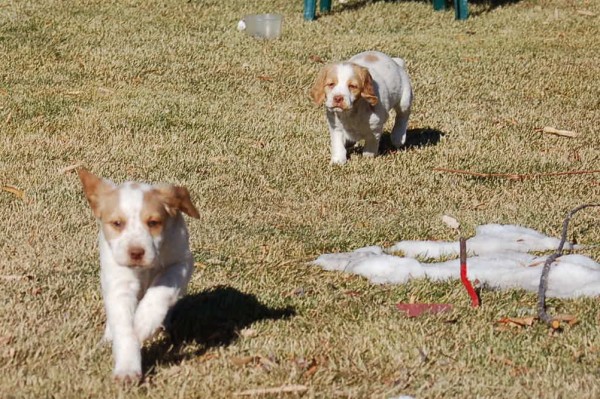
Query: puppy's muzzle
[(338, 103), (137, 257)]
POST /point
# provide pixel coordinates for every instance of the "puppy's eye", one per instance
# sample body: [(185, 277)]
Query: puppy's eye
[(352, 86), (331, 85), (117, 224), (153, 223)]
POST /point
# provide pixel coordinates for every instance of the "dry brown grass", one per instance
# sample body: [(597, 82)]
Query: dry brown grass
[(170, 91)]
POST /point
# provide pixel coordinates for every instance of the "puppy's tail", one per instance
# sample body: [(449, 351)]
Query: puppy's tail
[(400, 62), (407, 93)]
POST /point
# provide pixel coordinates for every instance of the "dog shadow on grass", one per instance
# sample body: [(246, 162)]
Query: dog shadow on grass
[(415, 138), (206, 320)]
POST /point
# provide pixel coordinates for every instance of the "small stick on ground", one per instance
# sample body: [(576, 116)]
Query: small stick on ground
[(272, 391), (543, 287), (558, 132)]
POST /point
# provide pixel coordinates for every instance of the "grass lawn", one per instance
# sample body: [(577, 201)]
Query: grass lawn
[(170, 91)]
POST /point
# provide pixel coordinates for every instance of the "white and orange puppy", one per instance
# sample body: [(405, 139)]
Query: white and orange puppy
[(358, 95), (145, 260)]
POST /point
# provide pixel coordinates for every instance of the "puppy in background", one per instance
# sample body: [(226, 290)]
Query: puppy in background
[(358, 95), (145, 260)]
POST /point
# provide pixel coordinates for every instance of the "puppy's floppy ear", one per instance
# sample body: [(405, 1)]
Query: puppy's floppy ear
[(317, 93), (177, 198), (94, 188), (368, 91)]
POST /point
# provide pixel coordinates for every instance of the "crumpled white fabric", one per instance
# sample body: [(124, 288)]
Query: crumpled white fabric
[(501, 260)]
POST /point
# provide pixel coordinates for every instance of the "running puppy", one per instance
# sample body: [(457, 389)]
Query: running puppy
[(145, 261), (358, 95)]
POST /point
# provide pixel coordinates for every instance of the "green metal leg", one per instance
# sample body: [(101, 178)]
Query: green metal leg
[(310, 10), (325, 6), (439, 5), (461, 9)]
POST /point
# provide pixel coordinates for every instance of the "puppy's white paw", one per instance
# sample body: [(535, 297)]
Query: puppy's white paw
[(145, 331), (338, 160), (126, 376)]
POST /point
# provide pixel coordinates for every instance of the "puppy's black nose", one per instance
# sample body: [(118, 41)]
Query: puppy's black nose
[(136, 253)]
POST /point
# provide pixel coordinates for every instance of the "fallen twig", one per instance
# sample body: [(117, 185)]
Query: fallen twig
[(516, 176), (558, 132), (69, 168), (542, 313), (276, 390), (14, 191)]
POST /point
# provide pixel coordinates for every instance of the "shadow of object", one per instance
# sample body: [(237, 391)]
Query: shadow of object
[(415, 138), (488, 5), (483, 6), (205, 320), (350, 5)]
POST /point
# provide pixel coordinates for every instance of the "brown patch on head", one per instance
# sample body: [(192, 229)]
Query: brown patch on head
[(96, 190), (154, 212), (176, 198), (111, 216), (370, 57), (326, 80), (103, 198), (362, 84)]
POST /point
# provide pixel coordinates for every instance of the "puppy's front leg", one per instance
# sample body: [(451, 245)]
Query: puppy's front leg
[(338, 146), (162, 294), (371, 145), (120, 309)]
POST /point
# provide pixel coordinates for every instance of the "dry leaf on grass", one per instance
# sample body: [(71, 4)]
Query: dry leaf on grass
[(313, 366), (244, 360), (558, 132), (68, 168), (248, 332), (316, 58), (567, 318), (450, 222), (517, 321), (199, 265), (266, 363), (14, 190), (273, 391), (417, 309), (587, 13)]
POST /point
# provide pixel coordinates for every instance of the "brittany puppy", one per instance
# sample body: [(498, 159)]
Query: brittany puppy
[(358, 95), (145, 260)]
